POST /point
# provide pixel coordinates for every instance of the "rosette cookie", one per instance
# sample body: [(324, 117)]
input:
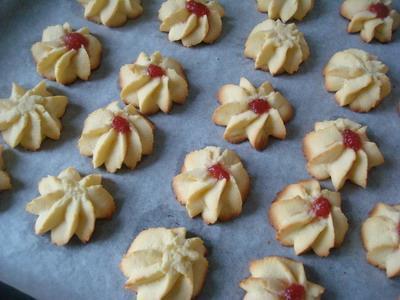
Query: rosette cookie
[(285, 9), (277, 47), (153, 83), (5, 182), (358, 78), (341, 150), (372, 18), (64, 55), (306, 217), (112, 13), (69, 204), (29, 116), (214, 183), (252, 113), (381, 237), (162, 264), (278, 278), (115, 136), (191, 21)]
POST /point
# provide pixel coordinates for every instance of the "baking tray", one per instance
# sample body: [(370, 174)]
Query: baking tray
[(144, 196)]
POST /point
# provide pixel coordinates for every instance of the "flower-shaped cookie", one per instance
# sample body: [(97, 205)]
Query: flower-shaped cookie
[(162, 263), (64, 55), (252, 113), (69, 204), (214, 183), (381, 237), (285, 9), (277, 278), (277, 47), (306, 217), (153, 83), (191, 21), (28, 117), (373, 18), (115, 136), (112, 13), (340, 149), (5, 182), (358, 78)]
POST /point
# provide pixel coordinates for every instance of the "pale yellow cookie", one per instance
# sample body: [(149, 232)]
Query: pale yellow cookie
[(5, 182), (381, 238), (64, 55), (285, 9), (163, 264), (112, 13), (277, 47), (252, 113), (214, 183), (374, 19), (69, 204), (277, 278), (115, 136), (153, 83), (27, 117), (358, 79), (191, 21), (341, 150), (308, 218)]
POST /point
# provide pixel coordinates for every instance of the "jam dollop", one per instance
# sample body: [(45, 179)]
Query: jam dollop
[(155, 71), (321, 207), (199, 9), (120, 124), (351, 139), (294, 292), (75, 40), (218, 172), (380, 9), (259, 106)]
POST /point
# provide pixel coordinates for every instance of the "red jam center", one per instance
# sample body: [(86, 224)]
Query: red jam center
[(218, 172), (351, 140), (155, 71), (380, 9), (294, 292), (321, 207), (120, 124), (196, 8), (259, 106), (75, 40)]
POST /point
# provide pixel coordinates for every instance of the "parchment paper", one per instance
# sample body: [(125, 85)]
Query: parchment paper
[(144, 196)]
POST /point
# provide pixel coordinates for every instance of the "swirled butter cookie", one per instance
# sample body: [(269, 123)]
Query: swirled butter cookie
[(69, 204), (115, 136), (27, 117), (64, 55), (5, 182), (252, 113), (162, 263), (285, 9)]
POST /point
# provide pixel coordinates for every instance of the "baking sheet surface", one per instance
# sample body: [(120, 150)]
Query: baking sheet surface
[(144, 196)]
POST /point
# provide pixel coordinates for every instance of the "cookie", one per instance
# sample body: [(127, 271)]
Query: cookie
[(252, 113), (308, 218), (276, 277), (5, 182), (153, 83), (277, 47), (162, 263), (341, 150), (214, 183), (285, 9), (65, 55), (191, 21), (358, 79), (69, 204), (381, 238), (27, 117)]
